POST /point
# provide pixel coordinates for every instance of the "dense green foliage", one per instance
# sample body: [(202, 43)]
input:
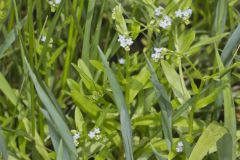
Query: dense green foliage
[(119, 79)]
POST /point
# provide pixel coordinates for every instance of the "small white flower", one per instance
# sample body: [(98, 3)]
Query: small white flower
[(121, 61), (183, 14), (76, 136), (125, 42), (43, 38), (57, 1), (178, 13), (165, 22), (97, 130), (53, 4), (158, 11), (179, 147), (156, 56), (158, 50), (91, 134), (129, 41)]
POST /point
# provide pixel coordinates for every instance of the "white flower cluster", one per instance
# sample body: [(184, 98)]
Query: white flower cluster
[(94, 134), (53, 4), (43, 38), (121, 61), (76, 136), (185, 14), (165, 22), (125, 42), (156, 56), (179, 147), (158, 11)]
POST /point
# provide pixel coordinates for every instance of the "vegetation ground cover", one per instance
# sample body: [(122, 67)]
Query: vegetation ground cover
[(111, 79)]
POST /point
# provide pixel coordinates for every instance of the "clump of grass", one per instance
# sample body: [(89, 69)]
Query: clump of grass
[(119, 79)]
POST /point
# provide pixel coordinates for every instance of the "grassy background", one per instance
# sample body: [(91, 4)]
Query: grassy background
[(73, 81)]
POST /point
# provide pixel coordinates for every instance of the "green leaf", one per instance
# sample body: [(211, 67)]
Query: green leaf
[(220, 16), (10, 38), (174, 80), (185, 40), (137, 83), (7, 90), (50, 103), (165, 105), (60, 151), (3, 147), (85, 104), (117, 15), (87, 32), (232, 43), (121, 104), (209, 40), (207, 140)]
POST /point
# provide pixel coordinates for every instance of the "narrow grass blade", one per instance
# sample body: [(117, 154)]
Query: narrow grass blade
[(87, 32), (3, 147), (229, 107), (50, 32), (10, 38), (61, 126), (55, 137), (165, 105), (220, 16), (60, 151), (207, 140), (232, 43), (121, 104)]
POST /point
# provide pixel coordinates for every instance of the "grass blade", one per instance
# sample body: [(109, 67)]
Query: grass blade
[(121, 104), (165, 105), (220, 16), (232, 43), (86, 38), (3, 147), (10, 38), (51, 107)]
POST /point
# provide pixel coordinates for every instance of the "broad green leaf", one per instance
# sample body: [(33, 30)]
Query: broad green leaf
[(98, 65), (207, 140), (86, 76), (79, 121), (7, 90), (135, 29), (121, 104), (185, 40), (85, 104), (147, 120), (137, 83), (174, 80)]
